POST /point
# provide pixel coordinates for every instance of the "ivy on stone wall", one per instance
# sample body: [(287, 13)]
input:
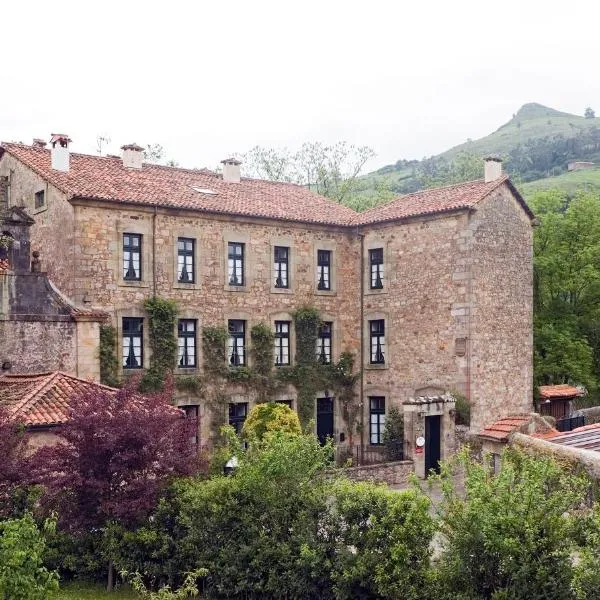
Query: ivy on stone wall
[(162, 320), (109, 365)]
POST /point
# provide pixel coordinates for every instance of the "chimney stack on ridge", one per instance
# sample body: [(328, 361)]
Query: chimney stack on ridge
[(231, 170), (492, 168), (60, 152)]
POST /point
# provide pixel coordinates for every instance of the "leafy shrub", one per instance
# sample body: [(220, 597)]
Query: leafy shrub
[(270, 417), (22, 574), (518, 524), (393, 434), (463, 409)]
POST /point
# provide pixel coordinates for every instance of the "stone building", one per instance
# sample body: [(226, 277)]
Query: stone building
[(40, 328), (430, 293)]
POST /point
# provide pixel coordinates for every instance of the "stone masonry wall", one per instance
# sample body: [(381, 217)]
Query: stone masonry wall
[(210, 300), (502, 310), (38, 346), (52, 234), (392, 473), (423, 285)]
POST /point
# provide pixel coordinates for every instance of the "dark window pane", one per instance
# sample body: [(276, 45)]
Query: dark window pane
[(132, 341)]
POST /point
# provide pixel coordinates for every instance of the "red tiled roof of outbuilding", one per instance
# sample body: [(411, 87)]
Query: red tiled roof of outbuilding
[(562, 390), (42, 399), (501, 429)]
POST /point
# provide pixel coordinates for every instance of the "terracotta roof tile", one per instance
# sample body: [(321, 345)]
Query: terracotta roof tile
[(501, 430), (43, 398), (105, 178), (560, 391)]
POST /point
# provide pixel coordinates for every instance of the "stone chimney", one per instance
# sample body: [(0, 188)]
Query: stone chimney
[(133, 156), (60, 151), (492, 168), (231, 170), (38, 143)]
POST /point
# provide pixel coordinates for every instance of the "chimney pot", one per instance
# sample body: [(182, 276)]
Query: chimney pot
[(60, 152), (133, 156), (492, 168), (231, 170)]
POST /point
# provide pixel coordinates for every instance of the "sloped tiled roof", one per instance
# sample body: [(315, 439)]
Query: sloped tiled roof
[(501, 430), (43, 398), (105, 178), (560, 391), (437, 200)]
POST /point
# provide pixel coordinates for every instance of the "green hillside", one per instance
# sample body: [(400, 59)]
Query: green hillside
[(587, 180), (531, 122), (536, 145)]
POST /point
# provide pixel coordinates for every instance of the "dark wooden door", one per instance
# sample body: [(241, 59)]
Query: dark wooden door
[(432, 443), (324, 419)]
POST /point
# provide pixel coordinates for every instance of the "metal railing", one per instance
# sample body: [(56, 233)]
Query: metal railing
[(358, 455), (570, 423)]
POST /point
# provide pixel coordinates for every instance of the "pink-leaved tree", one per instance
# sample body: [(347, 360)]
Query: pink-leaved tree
[(13, 463), (120, 450)]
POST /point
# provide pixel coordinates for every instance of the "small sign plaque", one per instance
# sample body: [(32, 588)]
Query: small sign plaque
[(420, 441)]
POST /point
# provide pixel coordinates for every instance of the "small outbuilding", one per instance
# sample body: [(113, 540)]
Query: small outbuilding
[(557, 400)]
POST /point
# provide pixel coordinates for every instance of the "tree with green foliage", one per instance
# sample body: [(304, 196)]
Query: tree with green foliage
[(589, 113), (567, 289), (329, 169), (436, 172), (264, 419), (511, 534), (283, 526), (23, 575), (393, 434)]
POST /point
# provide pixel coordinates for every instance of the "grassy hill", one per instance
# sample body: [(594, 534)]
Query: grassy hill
[(531, 122), (587, 180), (536, 144)]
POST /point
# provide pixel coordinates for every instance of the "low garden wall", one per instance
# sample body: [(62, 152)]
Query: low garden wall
[(392, 473)]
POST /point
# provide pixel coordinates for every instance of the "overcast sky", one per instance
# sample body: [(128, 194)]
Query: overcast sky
[(209, 78)]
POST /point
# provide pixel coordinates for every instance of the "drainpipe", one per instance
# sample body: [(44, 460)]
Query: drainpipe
[(362, 337), (154, 252)]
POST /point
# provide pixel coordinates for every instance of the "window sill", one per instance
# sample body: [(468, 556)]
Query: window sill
[(375, 291), (275, 290), (235, 288), (41, 209), (325, 293), (135, 284), (186, 370), (377, 367), (186, 286)]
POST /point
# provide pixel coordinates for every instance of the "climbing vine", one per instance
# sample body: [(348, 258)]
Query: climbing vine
[(6, 241), (162, 316), (109, 365)]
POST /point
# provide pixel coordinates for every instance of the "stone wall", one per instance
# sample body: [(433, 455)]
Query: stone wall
[(501, 336), (53, 233), (392, 473), (211, 301)]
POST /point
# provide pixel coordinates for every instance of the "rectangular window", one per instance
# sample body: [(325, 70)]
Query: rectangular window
[(324, 343), (40, 199), (376, 265), (133, 348), (186, 268), (238, 411), (132, 257), (282, 343), (281, 266), (376, 419), (235, 263), (236, 345), (324, 269), (377, 333), (288, 403), (186, 343)]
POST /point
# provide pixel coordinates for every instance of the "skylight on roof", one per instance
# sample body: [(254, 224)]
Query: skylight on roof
[(204, 191)]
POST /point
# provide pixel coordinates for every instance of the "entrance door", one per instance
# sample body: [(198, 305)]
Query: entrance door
[(432, 443), (324, 419)]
